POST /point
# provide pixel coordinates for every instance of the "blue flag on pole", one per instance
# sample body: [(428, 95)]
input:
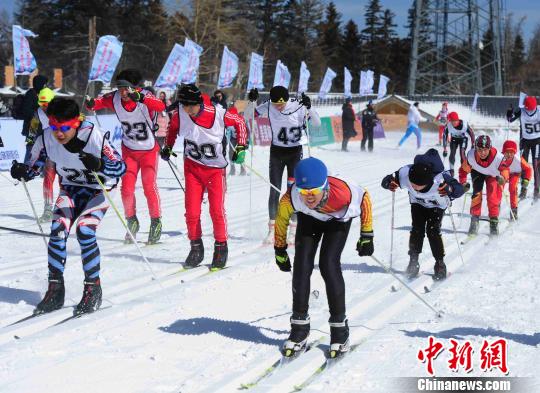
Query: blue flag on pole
[(304, 78), (229, 69), (326, 84), (24, 60), (194, 52), (106, 58), (255, 80), (171, 74), (282, 77)]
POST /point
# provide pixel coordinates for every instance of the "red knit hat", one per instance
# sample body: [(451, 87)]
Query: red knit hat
[(453, 116), (530, 103), (509, 146)]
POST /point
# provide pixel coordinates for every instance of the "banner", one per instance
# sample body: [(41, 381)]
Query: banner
[(322, 135), (522, 97), (263, 132), (255, 80), (24, 60), (383, 82), (282, 77), (228, 70), (474, 103), (12, 146), (106, 58), (326, 84), (194, 52), (304, 78), (366, 82), (171, 74), (347, 82)]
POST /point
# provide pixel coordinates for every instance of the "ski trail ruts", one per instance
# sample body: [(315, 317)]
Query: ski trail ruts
[(377, 294)]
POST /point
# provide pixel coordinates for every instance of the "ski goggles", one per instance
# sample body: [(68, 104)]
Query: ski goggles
[(64, 126), (312, 191)]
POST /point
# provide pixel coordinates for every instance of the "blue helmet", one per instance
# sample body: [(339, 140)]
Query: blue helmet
[(310, 173)]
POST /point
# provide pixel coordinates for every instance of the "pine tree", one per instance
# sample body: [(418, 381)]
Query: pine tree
[(331, 39), (370, 36), (351, 52)]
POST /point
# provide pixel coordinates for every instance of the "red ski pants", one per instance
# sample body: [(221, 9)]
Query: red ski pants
[(513, 188), (48, 182), (441, 130), (493, 193), (198, 178), (145, 161)]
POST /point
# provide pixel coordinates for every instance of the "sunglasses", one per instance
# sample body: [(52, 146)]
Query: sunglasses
[(64, 126), (312, 191)]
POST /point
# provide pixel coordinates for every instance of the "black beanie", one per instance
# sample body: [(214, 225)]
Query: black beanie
[(420, 174), (279, 95)]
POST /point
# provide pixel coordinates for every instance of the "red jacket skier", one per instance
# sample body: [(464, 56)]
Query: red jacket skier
[(518, 168)]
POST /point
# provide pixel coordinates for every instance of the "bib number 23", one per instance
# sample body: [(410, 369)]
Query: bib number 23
[(135, 131)]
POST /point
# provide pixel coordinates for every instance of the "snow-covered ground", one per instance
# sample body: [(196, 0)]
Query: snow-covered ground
[(194, 331)]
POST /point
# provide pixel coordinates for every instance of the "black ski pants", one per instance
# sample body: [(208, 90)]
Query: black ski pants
[(309, 233), (281, 158), (456, 143), (367, 135), (426, 221), (532, 146)]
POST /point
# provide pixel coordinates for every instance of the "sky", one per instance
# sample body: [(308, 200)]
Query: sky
[(354, 9)]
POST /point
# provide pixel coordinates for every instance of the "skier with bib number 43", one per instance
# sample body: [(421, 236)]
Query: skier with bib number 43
[(430, 191), (288, 121), (136, 110), (326, 206), (79, 151), (205, 147)]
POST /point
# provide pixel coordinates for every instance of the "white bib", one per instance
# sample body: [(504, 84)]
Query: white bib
[(207, 146), (455, 133), (43, 119), (491, 170), (68, 165), (429, 199), (288, 126), (344, 215), (530, 124), (137, 126)]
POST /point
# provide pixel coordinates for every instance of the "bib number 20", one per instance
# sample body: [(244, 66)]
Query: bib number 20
[(198, 152), (291, 135)]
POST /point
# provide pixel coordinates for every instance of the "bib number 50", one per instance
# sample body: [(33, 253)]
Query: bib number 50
[(198, 152), (530, 128)]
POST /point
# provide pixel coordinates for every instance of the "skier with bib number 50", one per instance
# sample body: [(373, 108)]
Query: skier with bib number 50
[(205, 147), (136, 110), (288, 121)]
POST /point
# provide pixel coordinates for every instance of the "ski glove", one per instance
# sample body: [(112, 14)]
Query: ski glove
[(136, 96), (445, 153), (166, 153), (239, 154), (91, 162), (89, 102), (524, 183), (253, 95), (364, 246), (389, 183), (445, 189), (306, 101), (501, 180), (20, 171), (282, 259), (510, 113)]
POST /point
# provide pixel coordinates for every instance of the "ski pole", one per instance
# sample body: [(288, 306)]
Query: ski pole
[(34, 211), (172, 166), (124, 223), (14, 182), (252, 146), (438, 313), (455, 230), (392, 232)]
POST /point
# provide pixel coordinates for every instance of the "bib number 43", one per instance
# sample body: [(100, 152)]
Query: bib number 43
[(291, 135)]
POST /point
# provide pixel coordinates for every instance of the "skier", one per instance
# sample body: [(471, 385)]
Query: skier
[(442, 118), (205, 145), (369, 120), (529, 138), (413, 125), (457, 131), (136, 110), (231, 136), (485, 164), (326, 206), (288, 118), (79, 151), (431, 189), (517, 167)]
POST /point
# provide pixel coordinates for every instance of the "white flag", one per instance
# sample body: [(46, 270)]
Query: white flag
[(255, 72), (474, 103), (326, 84), (228, 70), (366, 82), (304, 78), (347, 82), (522, 97), (383, 82), (282, 77), (194, 50)]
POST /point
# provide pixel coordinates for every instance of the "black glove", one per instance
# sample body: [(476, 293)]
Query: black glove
[(305, 100), (389, 183), (445, 153), (91, 162), (282, 259), (510, 112), (253, 95), (364, 246), (136, 96), (445, 189), (89, 102), (19, 171), (166, 153)]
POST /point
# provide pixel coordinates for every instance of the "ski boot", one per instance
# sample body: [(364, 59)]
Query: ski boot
[(513, 214), (155, 230), (439, 270), (54, 297), (297, 342), (536, 195), (269, 239), (493, 226), (196, 254), (47, 214), (339, 338), (91, 298), (291, 236), (473, 228), (523, 193), (219, 258), (133, 226), (414, 267)]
